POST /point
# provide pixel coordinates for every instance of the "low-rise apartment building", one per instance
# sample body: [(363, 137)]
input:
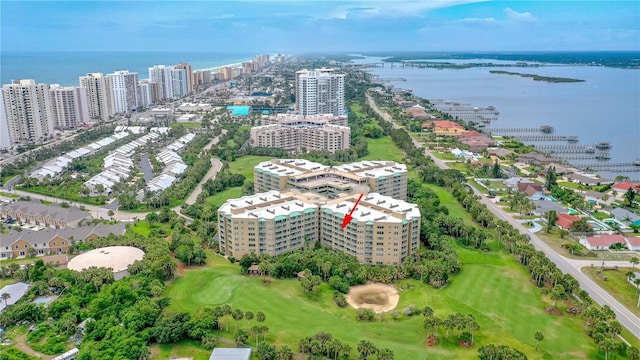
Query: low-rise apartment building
[(52, 241), (385, 177), (38, 214), (384, 230), (297, 133)]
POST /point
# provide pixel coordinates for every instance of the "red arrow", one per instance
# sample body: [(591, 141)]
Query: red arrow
[(347, 217)]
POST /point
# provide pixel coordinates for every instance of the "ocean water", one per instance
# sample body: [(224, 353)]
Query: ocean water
[(606, 107), (66, 67)]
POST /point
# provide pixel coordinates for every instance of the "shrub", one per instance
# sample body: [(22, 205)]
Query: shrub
[(365, 314), (339, 299)]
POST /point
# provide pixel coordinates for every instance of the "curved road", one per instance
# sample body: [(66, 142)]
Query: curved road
[(570, 266)]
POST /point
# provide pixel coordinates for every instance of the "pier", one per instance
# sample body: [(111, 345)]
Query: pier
[(613, 165), (543, 129), (534, 138), (566, 149)]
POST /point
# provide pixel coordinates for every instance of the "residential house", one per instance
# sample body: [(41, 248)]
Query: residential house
[(623, 187), (587, 180), (16, 292), (565, 221), (500, 152), (231, 354), (512, 182), (544, 206), (598, 198), (625, 216), (52, 241), (48, 216), (533, 190), (601, 242), (533, 158), (633, 243)]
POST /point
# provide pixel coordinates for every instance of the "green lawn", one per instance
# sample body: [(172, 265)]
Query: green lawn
[(617, 285), (492, 286), (6, 281), (384, 149), (219, 198), (244, 165), (186, 125), (186, 348), (601, 215), (9, 195), (447, 199)]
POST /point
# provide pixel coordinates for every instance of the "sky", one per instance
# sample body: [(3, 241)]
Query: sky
[(304, 26)]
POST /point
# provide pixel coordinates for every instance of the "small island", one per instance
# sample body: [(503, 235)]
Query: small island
[(538, 77)]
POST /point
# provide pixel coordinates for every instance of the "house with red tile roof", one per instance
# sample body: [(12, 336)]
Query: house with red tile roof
[(565, 221), (625, 186), (633, 243), (602, 242)]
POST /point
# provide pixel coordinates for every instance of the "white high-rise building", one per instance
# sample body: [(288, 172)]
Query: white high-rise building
[(101, 105), (189, 73), (319, 91), (161, 74), (28, 111), (124, 86), (145, 96), (179, 83), (5, 140), (69, 106)]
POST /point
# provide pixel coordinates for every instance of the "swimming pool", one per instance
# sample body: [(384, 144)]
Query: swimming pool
[(572, 211), (597, 225), (44, 300), (615, 222)]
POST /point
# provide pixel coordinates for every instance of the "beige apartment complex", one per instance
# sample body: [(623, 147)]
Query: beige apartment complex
[(297, 133), (384, 230), (385, 177), (299, 202)]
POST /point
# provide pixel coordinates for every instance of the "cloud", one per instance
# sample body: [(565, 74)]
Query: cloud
[(523, 17), (481, 21), (399, 8)]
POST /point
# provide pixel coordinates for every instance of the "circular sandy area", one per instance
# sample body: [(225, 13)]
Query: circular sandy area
[(377, 297), (116, 258)]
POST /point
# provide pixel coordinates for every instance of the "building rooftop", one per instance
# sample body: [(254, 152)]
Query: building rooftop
[(230, 354), (16, 292), (375, 208), (267, 205), (116, 258)]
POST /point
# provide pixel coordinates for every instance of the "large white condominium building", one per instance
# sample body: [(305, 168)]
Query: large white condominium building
[(319, 91), (180, 81), (161, 74), (5, 139), (385, 177), (101, 104), (70, 106), (301, 139), (124, 86), (28, 112), (298, 120), (383, 230)]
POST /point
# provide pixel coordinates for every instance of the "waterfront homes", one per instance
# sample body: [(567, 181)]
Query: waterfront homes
[(38, 214), (534, 158), (586, 179), (602, 242), (51, 241), (625, 216), (544, 206), (533, 190)]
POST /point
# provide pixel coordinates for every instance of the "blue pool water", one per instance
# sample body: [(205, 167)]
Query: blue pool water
[(239, 110)]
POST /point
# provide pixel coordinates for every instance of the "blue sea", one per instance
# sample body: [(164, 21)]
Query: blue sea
[(65, 67)]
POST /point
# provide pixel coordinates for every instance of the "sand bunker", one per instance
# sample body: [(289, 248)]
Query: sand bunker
[(377, 297)]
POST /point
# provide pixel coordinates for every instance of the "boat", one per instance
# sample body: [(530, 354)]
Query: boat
[(603, 156), (572, 139), (603, 145), (590, 149), (636, 163)]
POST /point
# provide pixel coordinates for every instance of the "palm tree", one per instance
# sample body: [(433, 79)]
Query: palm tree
[(5, 297), (634, 261), (226, 310), (539, 337), (237, 315)]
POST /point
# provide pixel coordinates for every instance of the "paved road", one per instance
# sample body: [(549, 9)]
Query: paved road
[(216, 165), (570, 266)]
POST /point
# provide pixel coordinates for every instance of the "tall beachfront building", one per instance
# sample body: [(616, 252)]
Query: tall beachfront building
[(5, 139), (179, 82), (124, 86), (189, 76), (101, 104), (145, 95), (28, 112), (70, 106), (161, 74), (319, 91)]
